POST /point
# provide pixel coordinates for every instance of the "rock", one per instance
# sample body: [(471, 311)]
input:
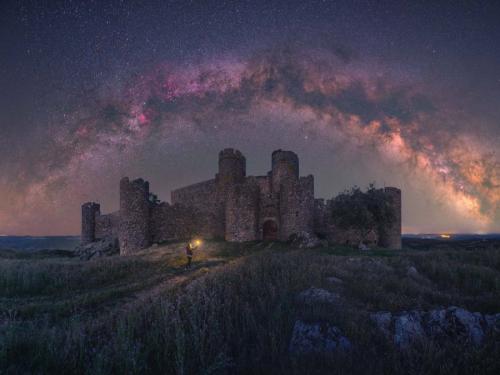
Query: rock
[(412, 272), (318, 296), (408, 328), (363, 247), (437, 323), (440, 324), (493, 322), (317, 338), (104, 247), (468, 324), (382, 320), (304, 240), (334, 280)]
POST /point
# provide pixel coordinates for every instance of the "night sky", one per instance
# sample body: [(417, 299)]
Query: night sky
[(397, 93)]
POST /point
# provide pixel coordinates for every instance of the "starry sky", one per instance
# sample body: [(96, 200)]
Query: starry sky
[(400, 93)]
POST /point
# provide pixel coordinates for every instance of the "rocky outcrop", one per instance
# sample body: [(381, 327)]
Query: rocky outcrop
[(317, 338), (104, 247), (304, 240), (314, 296), (408, 327)]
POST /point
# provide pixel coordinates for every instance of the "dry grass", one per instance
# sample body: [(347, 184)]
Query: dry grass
[(234, 312)]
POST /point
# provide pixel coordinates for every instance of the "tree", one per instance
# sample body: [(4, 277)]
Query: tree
[(362, 211)]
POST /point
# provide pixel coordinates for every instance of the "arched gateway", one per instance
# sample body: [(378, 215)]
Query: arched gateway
[(270, 230)]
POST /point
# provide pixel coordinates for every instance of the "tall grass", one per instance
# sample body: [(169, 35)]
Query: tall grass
[(240, 318)]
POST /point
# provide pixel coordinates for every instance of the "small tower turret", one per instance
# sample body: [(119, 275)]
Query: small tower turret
[(89, 212)]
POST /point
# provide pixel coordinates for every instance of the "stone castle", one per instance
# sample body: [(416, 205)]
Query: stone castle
[(231, 206)]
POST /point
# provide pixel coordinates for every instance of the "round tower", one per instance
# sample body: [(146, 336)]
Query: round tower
[(232, 167), (285, 167), (89, 212), (390, 234), (134, 231)]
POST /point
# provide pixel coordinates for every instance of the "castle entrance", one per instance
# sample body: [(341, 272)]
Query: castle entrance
[(270, 230)]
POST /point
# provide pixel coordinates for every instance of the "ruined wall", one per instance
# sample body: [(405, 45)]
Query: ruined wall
[(242, 212), (390, 233), (107, 226), (199, 195), (320, 217), (134, 228), (296, 207), (208, 203), (174, 222), (90, 211), (352, 236)]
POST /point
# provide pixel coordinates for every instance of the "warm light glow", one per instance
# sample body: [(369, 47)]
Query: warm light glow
[(444, 236)]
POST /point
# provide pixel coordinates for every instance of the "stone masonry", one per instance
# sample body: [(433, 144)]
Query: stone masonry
[(231, 206)]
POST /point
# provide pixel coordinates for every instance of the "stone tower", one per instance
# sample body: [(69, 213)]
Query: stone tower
[(390, 233), (89, 212), (134, 229), (284, 168), (232, 167), (296, 195)]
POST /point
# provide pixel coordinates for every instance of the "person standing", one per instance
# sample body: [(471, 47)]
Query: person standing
[(189, 254)]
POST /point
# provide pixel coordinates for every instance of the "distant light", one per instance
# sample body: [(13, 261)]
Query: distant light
[(444, 236)]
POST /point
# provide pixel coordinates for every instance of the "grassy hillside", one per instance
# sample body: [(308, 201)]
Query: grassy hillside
[(234, 311)]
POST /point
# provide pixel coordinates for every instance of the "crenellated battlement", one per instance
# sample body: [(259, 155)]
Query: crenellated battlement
[(232, 168), (284, 168), (231, 154)]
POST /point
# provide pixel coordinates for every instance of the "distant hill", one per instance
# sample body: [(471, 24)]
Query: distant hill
[(30, 243), (455, 236)]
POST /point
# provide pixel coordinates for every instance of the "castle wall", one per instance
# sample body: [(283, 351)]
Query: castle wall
[(199, 195), (174, 222), (232, 206), (242, 212), (320, 217), (90, 211), (352, 236), (208, 202), (134, 228), (390, 233), (107, 226), (296, 207)]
